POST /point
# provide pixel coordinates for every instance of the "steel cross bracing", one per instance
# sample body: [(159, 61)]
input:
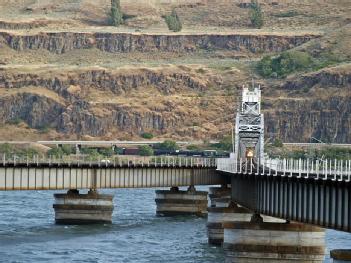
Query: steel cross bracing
[(249, 125)]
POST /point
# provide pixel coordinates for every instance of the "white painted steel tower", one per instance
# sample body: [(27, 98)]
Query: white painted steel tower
[(249, 126)]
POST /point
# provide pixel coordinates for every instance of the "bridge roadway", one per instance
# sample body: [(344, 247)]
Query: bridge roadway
[(54, 174), (309, 192)]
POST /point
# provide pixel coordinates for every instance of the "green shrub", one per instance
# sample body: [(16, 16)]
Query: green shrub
[(256, 14), (173, 22), (44, 129), (147, 135), (277, 143), (224, 144), (284, 64), (146, 150), (56, 152), (167, 145), (67, 149), (15, 121), (6, 148), (106, 152), (116, 15), (193, 147)]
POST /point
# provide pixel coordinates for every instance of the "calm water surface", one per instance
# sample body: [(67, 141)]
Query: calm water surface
[(28, 233)]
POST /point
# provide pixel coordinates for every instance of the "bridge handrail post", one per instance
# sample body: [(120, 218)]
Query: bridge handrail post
[(251, 165), (245, 166), (335, 169), (299, 165), (326, 170), (307, 167), (349, 173), (317, 169), (269, 167), (240, 166), (341, 173)]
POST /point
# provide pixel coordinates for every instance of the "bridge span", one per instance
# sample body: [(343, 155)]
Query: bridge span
[(133, 172)]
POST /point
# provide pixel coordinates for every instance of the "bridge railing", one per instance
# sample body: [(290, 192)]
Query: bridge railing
[(317, 169), (115, 161)]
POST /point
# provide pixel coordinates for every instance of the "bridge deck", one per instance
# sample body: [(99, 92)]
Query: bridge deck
[(119, 173), (294, 192)]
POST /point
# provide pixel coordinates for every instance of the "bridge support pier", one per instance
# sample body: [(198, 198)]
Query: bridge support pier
[(340, 255), (220, 196), (76, 208), (218, 215), (175, 202), (258, 241)]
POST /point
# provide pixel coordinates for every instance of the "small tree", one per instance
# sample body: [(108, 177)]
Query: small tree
[(116, 16), (256, 14), (147, 135), (173, 22), (146, 150), (167, 145)]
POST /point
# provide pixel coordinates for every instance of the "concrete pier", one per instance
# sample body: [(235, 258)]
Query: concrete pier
[(218, 215), (220, 196), (175, 202), (264, 242), (76, 208), (340, 255)]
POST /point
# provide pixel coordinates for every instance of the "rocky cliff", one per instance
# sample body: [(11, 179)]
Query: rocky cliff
[(312, 105), (179, 102), (126, 42)]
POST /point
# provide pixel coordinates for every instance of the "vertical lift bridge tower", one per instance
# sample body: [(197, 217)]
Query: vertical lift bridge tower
[(249, 126)]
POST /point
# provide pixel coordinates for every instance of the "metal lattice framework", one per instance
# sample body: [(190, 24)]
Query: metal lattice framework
[(249, 126)]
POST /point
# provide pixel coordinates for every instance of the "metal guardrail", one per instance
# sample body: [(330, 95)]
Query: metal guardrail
[(113, 162), (339, 170)]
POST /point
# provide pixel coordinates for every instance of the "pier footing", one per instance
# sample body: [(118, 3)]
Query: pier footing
[(220, 196), (340, 255), (76, 208), (218, 215), (259, 241), (175, 202)]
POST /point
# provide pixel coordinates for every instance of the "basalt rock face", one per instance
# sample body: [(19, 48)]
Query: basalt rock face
[(37, 111), (315, 105), (124, 42), (118, 82), (90, 100), (300, 120), (122, 102)]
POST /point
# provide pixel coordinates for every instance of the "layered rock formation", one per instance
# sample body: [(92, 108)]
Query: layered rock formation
[(173, 101), (312, 105), (125, 42)]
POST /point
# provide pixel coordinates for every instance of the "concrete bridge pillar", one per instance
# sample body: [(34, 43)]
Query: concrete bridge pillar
[(76, 208), (259, 241), (175, 202), (220, 196), (340, 255), (218, 215)]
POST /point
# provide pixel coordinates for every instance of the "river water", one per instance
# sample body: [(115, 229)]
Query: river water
[(28, 233)]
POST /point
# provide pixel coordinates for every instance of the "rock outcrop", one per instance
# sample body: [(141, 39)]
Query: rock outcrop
[(62, 42), (172, 101)]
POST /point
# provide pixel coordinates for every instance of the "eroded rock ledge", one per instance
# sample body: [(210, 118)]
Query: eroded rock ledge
[(61, 42)]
